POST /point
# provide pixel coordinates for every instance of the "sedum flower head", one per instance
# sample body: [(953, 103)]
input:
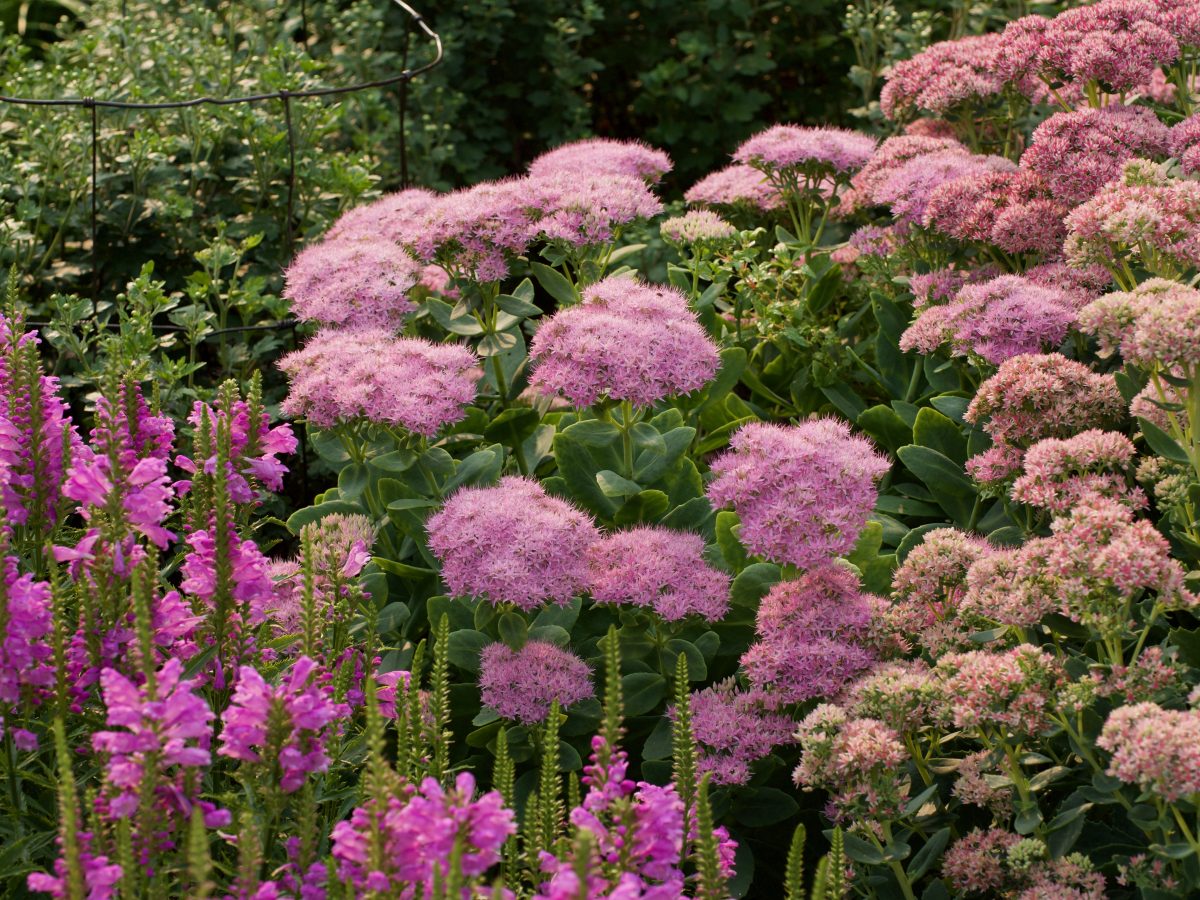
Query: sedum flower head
[(475, 232), (812, 151), (1118, 43), (889, 156), (1011, 210), (1077, 153), (627, 340), (512, 543), (1164, 333), (700, 226), (523, 684), (604, 156), (583, 209), (1006, 690), (352, 283), (1062, 473), (735, 186), (734, 728), (347, 376), (1185, 140), (658, 568), (1157, 749), (803, 492), (909, 187), (811, 636), (393, 217)]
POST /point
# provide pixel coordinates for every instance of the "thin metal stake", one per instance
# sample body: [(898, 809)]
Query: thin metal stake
[(90, 103), (286, 97)]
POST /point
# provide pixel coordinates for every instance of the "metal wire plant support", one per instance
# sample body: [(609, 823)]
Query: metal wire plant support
[(285, 97)]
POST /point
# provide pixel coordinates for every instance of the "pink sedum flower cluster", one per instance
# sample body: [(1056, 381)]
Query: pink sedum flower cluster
[(523, 684), (1011, 689), (626, 341), (1061, 473), (660, 569), (342, 377), (735, 186), (734, 729), (697, 227), (352, 283), (813, 151), (604, 156), (1154, 748), (803, 492), (512, 543)]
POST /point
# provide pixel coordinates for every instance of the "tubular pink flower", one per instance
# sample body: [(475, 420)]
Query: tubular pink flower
[(286, 727), (26, 624), (803, 492), (249, 575), (512, 543), (254, 448), (522, 684), (659, 568), (1077, 153), (100, 875), (419, 831), (735, 186), (166, 731), (604, 156), (626, 341), (341, 377), (352, 283)]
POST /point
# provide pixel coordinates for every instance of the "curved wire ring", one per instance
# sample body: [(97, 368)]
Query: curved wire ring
[(91, 102)]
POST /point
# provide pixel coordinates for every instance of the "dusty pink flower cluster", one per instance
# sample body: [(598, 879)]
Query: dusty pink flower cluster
[(1033, 397), (634, 159), (1061, 473), (627, 340), (811, 152), (347, 376), (1157, 749), (1010, 210), (802, 492), (1011, 689), (523, 684), (734, 728), (735, 186)]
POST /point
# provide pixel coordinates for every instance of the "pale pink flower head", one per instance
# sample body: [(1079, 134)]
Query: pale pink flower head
[(735, 187), (1076, 153), (946, 76), (994, 594), (857, 760), (352, 283), (812, 636), (604, 156), (995, 208), (393, 217), (1182, 19), (522, 684), (902, 695), (1081, 285), (627, 340), (942, 285), (975, 863), (1157, 749), (1185, 141), (1112, 318), (1061, 473), (512, 543), (1165, 333), (909, 187), (1098, 560), (1145, 215), (700, 226), (581, 209), (474, 232), (734, 728), (1117, 43), (658, 568), (995, 320), (1035, 396), (801, 151), (1010, 689), (889, 156), (340, 377), (803, 492)]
